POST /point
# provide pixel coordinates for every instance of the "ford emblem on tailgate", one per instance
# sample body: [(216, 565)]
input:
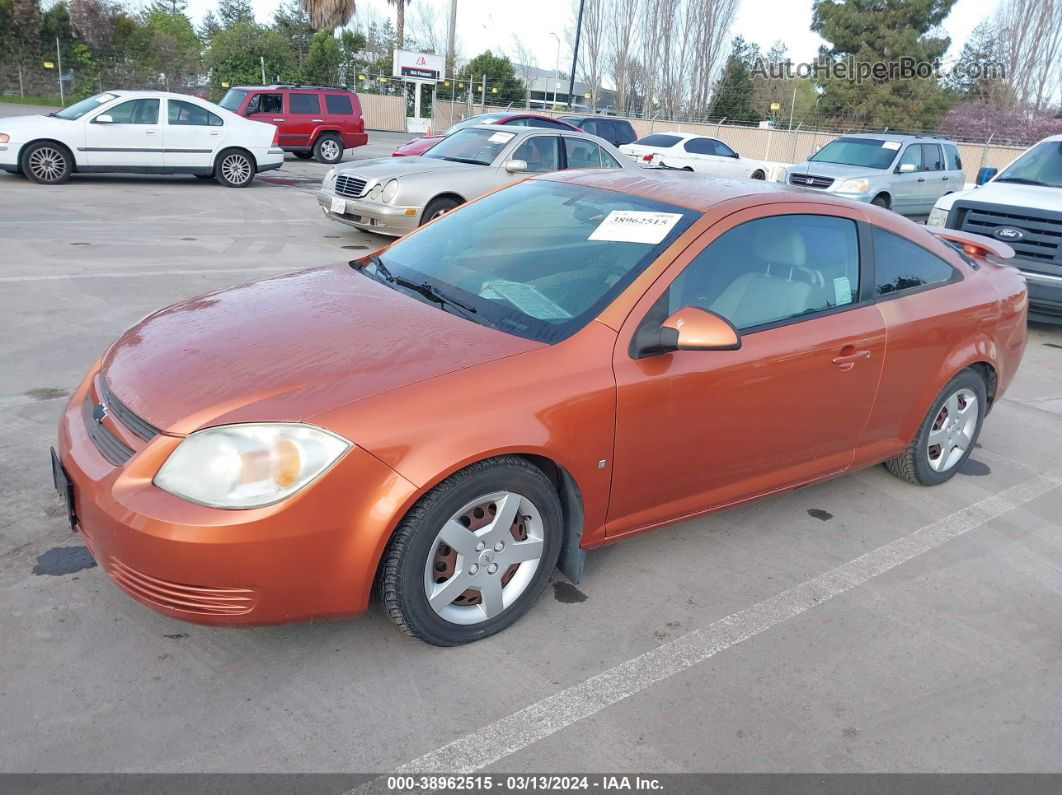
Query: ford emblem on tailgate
[(1008, 233)]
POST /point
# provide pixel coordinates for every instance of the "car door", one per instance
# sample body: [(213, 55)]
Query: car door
[(581, 153), (936, 175), (909, 181), (268, 106), (698, 430), (126, 136), (194, 135), (302, 118), (540, 152)]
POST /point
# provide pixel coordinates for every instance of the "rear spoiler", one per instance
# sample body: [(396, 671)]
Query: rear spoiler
[(974, 245)]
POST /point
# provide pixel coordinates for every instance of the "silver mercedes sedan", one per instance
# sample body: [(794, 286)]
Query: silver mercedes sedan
[(394, 195)]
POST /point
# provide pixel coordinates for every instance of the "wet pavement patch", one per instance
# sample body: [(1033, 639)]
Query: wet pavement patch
[(821, 515), (975, 468), (80, 244), (176, 636), (567, 593), (1052, 345), (46, 393), (356, 248), (58, 561)]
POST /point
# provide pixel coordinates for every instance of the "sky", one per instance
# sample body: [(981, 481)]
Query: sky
[(491, 24)]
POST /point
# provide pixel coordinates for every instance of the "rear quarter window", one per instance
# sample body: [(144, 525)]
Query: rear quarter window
[(900, 265), (339, 104), (951, 152)]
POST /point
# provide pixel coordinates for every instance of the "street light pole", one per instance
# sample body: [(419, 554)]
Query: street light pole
[(556, 69), (575, 56), (451, 39)]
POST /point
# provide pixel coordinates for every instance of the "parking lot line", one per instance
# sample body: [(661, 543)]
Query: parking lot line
[(130, 274), (514, 732)]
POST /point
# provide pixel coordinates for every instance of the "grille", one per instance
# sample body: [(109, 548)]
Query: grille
[(188, 598), (349, 186), (109, 445), (1042, 231), (142, 428), (809, 181)]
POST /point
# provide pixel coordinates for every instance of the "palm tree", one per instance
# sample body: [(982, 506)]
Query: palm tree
[(400, 21), (326, 14)]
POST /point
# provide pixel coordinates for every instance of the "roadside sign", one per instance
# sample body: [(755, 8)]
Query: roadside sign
[(418, 66), (49, 65), (776, 106)]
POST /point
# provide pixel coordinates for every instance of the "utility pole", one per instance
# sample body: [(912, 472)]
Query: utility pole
[(261, 60), (451, 42), (556, 69), (59, 58), (575, 57)]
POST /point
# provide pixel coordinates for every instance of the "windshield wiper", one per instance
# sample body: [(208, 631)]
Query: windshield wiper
[(425, 289), (468, 160), (1023, 181)]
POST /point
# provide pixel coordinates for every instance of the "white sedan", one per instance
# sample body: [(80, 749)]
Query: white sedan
[(150, 132), (691, 152)]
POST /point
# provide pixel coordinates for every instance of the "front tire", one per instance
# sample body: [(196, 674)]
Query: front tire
[(235, 168), (947, 435), (437, 207), (758, 175), (882, 201), (47, 163), (473, 555), (328, 150)]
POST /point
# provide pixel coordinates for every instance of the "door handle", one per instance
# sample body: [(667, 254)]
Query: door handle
[(317, 120), (149, 132), (945, 179), (848, 358), (278, 120), (921, 179)]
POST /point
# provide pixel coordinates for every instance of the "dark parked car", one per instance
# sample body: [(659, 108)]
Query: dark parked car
[(313, 121), (616, 131)]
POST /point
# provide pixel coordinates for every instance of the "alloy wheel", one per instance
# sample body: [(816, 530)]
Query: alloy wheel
[(953, 430), (236, 169), (47, 163), (330, 150), (484, 558)]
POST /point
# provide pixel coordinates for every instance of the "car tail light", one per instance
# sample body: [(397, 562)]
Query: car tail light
[(647, 158), (276, 136)]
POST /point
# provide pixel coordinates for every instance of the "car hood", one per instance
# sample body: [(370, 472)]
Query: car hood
[(11, 124), (288, 348), (380, 168), (1031, 197), (835, 170)]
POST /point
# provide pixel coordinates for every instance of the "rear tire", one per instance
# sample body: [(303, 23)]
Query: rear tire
[(437, 207), (449, 578), (47, 163), (947, 435), (328, 149), (234, 168)]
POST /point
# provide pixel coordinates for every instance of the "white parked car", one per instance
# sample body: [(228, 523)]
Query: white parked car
[(691, 152), (151, 132)]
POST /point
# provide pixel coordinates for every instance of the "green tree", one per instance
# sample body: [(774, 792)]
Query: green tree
[(500, 74), (292, 21), (974, 76), (324, 59), (234, 53), (733, 91), (175, 45), (877, 34), (209, 26), (232, 12)]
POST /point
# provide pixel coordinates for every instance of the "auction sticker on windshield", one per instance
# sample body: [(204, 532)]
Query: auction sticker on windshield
[(890, 144), (501, 137), (633, 226)]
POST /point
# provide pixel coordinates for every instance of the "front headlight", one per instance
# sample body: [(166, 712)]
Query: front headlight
[(248, 466), (853, 185), (374, 194), (937, 217), (389, 191)]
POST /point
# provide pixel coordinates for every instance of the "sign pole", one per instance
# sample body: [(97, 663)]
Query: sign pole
[(59, 59)]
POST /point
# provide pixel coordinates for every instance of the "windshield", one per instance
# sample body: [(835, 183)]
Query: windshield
[(479, 147), (539, 259), (471, 121), (1041, 165), (79, 109), (864, 152), (233, 99)]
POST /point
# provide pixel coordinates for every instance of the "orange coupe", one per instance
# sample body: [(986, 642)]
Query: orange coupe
[(555, 366)]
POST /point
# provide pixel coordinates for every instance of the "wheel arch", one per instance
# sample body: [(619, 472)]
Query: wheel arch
[(976, 361), (69, 150), (241, 149), (886, 194), (446, 195)]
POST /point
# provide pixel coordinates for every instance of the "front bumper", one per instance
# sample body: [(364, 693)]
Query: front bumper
[(9, 157), (371, 216), (313, 555), (1045, 294)]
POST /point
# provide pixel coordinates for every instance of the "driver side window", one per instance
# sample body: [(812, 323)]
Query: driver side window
[(773, 269), (540, 152)]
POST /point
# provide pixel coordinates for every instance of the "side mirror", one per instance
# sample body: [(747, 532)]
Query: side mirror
[(688, 329), (737, 156), (905, 168), (985, 174), (516, 166), (104, 118)]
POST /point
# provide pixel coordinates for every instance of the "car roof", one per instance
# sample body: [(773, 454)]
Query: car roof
[(899, 137), (294, 87), (693, 191), (174, 94), (575, 131)]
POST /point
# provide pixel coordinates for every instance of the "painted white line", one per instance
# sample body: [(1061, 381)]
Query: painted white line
[(137, 274), (540, 720)]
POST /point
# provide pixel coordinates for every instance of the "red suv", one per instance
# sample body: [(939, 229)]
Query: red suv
[(312, 121)]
